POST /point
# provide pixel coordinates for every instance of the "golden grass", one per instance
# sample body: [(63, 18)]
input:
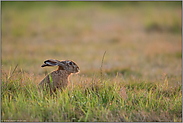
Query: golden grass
[(142, 43)]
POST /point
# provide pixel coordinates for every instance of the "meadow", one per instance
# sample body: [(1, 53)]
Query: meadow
[(141, 78)]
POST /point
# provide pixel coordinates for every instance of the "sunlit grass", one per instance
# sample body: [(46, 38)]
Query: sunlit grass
[(92, 101), (141, 68)]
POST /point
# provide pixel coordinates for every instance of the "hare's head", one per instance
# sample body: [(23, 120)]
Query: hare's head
[(69, 66)]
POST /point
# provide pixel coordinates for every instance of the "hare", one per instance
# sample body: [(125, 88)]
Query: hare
[(59, 78)]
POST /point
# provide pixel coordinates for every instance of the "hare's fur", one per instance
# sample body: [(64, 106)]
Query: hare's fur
[(59, 78)]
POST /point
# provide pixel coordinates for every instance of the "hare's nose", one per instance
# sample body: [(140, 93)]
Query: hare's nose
[(77, 69)]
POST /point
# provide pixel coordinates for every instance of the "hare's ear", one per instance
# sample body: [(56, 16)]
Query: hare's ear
[(50, 62)]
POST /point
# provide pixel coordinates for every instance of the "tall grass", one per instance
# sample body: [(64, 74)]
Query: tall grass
[(115, 102), (140, 79)]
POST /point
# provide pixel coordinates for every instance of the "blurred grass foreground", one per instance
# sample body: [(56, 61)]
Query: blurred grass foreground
[(141, 69)]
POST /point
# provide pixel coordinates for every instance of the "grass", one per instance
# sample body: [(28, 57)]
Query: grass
[(92, 101), (141, 71)]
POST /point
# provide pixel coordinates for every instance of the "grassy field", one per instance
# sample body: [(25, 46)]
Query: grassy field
[(141, 71)]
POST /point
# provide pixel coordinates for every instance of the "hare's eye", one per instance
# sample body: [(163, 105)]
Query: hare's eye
[(70, 63)]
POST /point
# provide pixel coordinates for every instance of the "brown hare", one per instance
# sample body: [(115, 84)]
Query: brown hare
[(59, 78)]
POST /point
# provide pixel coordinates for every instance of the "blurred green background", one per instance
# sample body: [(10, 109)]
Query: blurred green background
[(141, 39)]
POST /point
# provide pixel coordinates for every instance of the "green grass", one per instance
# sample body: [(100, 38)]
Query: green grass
[(142, 67), (92, 101)]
